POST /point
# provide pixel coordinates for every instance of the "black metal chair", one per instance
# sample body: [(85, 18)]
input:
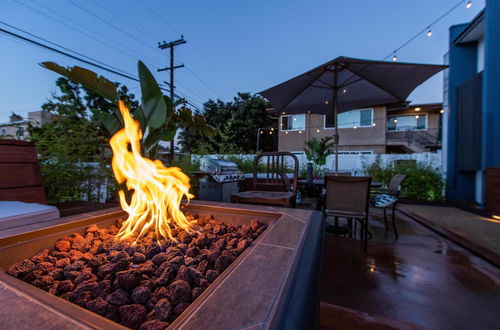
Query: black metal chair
[(391, 195), (348, 197)]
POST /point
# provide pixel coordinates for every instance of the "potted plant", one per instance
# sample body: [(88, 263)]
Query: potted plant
[(316, 153)]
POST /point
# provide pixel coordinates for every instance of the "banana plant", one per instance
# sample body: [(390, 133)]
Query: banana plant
[(318, 150), (159, 116)]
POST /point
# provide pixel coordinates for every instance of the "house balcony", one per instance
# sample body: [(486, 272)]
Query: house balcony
[(412, 141)]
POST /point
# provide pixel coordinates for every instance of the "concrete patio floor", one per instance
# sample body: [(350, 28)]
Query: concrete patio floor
[(422, 278)]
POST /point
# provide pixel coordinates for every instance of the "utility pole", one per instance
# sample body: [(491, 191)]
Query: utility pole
[(171, 68)]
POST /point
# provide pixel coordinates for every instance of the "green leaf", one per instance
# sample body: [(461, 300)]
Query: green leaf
[(153, 102), (138, 114), (157, 135), (89, 79), (109, 121)]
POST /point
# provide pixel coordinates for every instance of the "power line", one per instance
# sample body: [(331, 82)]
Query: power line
[(102, 67), (131, 54), (427, 29), (62, 47)]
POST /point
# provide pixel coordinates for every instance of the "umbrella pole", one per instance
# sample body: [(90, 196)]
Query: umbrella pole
[(336, 138)]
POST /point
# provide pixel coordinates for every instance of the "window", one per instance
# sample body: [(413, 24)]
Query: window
[(351, 119), (293, 122), (407, 123), (4, 131)]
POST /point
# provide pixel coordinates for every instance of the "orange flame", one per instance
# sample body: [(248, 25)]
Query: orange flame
[(157, 191)]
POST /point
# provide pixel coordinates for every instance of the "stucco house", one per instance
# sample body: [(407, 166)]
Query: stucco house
[(407, 128)]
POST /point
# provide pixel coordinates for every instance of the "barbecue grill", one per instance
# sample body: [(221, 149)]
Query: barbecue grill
[(221, 181)]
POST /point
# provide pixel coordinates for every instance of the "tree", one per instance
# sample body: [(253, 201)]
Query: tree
[(317, 151), (73, 140), (237, 123)]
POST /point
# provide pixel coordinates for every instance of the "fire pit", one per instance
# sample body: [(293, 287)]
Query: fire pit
[(272, 283)]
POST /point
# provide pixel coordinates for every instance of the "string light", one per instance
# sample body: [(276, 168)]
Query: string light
[(355, 127), (286, 132), (344, 91), (441, 111), (417, 109), (417, 116), (395, 120), (374, 124), (427, 29), (300, 132), (326, 102), (261, 132), (317, 131), (271, 133)]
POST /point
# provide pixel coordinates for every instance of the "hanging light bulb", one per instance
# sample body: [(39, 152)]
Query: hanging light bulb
[(395, 120), (355, 127), (468, 5), (300, 132), (394, 57), (417, 116), (283, 112), (271, 133), (272, 129), (417, 109), (286, 132), (441, 111), (317, 131), (261, 132), (374, 124), (429, 32), (326, 102), (294, 118)]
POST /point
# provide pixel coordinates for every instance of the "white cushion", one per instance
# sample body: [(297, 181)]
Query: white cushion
[(15, 214)]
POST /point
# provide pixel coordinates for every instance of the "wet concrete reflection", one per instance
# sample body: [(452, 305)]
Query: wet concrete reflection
[(421, 278)]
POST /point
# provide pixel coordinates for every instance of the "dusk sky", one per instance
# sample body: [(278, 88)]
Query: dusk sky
[(232, 46)]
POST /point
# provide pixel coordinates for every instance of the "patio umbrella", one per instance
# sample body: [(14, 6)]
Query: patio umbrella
[(345, 84)]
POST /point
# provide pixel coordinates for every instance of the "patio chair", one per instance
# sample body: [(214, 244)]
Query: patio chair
[(388, 199), (273, 187), (348, 197)]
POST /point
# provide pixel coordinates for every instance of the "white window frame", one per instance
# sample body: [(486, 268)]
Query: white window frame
[(293, 130), (371, 120), (403, 130)]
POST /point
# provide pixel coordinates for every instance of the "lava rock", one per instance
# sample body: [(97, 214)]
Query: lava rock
[(153, 325), (119, 297), (132, 315), (61, 263), (102, 289), (196, 292), (98, 305), (212, 275), (128, 279), (179, 292), (21, 268), (119, 256), (179, 309), (163, 309), (141, 294), (138, 258), (223, 262), (63, 245)]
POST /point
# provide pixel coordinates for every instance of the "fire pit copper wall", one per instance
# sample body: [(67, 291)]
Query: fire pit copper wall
[(273, 284)]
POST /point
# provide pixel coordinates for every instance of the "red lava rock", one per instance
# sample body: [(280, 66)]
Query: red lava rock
[(105, 270), (166, 276), (78, 242), (132, 315), (203, 266), (43, 282), (138, 258), (119, 297), (242, 245), (153, 325), (255, 224), (141, 294), (179, 309), (98, 305), (212, 275), (75, 255), (92, 228), (83, 298), (33, 275), (21, 268), (202, 241), (122, 264), (232, 243), (57, 274), (223, 262), (163, 309), (128, 279), (44, 266), (63, 245), (61, 263), (84, 276), (102, 289), (184, 237), (212, 257), (119, 256), (59, 254), (76, 265), (160, 258), (179, 292), (192, 251), (41, 256)]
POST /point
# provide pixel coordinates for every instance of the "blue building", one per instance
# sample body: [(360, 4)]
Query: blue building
[(472, 105)]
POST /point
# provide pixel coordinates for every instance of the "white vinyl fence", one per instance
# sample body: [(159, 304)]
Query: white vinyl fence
[(349, 162)]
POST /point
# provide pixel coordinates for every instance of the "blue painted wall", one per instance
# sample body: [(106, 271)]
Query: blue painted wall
[(463, 65)]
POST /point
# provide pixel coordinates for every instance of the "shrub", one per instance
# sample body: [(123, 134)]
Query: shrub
[(423, 182)]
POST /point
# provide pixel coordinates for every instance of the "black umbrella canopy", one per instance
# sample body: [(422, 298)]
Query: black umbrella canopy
[(357, 82)]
